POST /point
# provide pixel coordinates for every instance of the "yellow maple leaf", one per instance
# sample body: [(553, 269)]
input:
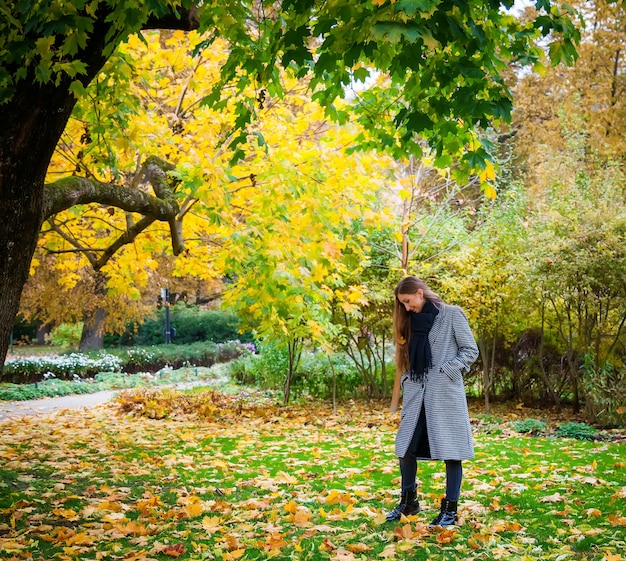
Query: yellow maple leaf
[(233, 555), (301, 518), (284, 477), (212, 523), (358, 547), (193, 510), (81, 538), (66, 513), (291, 507)]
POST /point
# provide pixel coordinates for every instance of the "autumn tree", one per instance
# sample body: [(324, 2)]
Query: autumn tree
[(108, 258), (578, 237), (441, 65), (594, 88), (485, 275), (292, 229)]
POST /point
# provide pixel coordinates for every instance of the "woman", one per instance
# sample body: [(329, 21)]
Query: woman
[(434, 346)]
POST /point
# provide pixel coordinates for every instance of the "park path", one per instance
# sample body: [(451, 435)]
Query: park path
[(17, 409)]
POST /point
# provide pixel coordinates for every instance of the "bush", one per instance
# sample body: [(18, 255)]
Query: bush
[(192, 325), (266, 370), (579, 431), (67, 335), (74, 366), (69, 366), (605, 393), (314, 376), (530, 426)]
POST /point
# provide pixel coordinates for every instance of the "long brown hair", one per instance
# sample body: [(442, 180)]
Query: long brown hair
[(402, 318)]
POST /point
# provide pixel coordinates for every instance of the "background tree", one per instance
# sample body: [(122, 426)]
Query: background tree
[(578, 240), (485, 275), (594, 89)]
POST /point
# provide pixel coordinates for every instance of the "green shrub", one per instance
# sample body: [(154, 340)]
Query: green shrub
[(191, 323), (605, 392), (530, 426), (579, 431), (266, 370), (66, 335), (314, 376)]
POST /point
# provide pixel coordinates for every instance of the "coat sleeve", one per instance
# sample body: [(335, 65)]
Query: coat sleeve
[(467, 350)]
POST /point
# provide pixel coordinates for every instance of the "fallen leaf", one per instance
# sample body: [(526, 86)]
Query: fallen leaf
[(557, 497), (617, 520), (445, 535), (233, 555), (358, 547), (174, 550), (342, 555), (403, 532)]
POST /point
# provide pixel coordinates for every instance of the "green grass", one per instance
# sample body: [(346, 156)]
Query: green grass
[(292, 483)]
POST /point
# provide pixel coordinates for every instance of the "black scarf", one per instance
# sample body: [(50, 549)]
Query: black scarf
[(420, 356)]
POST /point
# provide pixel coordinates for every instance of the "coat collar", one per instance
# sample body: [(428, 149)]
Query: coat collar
[(434, 330)]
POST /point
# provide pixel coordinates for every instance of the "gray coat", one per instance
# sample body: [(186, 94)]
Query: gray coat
[(454, 349)]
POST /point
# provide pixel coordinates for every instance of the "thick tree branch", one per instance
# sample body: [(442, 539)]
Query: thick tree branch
[(70, 191)]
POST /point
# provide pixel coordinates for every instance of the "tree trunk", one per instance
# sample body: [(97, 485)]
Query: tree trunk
[(94, 317), (32, 124), (542, 368), (92, 336), (43, 331), (485, 355)]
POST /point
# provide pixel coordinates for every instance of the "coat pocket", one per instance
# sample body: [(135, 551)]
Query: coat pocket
[(454, 374)]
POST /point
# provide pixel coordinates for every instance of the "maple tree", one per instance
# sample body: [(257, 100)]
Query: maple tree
[(49, 57), (107, 257)]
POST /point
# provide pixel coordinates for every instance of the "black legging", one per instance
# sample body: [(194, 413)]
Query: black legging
[(408, 464)]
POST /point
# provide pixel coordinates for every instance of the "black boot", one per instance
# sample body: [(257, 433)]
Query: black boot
[(408, 505), (447, 515)]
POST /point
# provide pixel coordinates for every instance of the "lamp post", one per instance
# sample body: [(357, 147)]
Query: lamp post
[(165, 296)]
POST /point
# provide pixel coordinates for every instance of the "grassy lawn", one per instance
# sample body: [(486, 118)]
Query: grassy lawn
[(197, 476)]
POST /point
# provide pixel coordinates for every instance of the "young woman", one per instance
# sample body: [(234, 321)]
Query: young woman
[(434, 347)]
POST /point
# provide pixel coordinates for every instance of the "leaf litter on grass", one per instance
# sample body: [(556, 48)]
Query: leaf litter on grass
[(163, 475)]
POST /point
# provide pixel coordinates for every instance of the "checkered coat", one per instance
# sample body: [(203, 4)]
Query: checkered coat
[(454, 349)]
